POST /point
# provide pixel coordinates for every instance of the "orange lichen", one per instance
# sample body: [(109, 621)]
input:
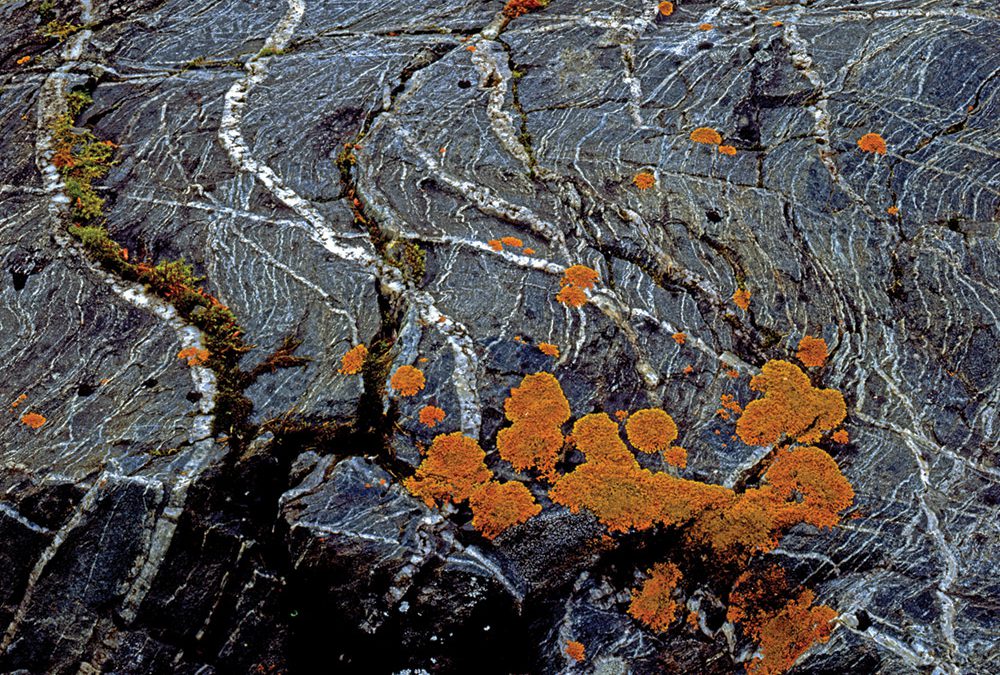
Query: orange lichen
[(621, 415), (495, 244), (706, 26), (679, 338), (575, 650), (733, 373), (742, 298), (470, 48), (194, 355), (581, 276), (407, 380), (516, 8), (727, 150), (431, 415), (549, 349), (512, 241), (24, 59), (653, 602), (776, 24), (782, 629), (498, 506), (841, 436), (893, 210), (572, 296), (810, 484), (353, 360), (872, 142), (651, 430), (528, 251), (451, 471), (706, 135), (676, 456), (729, 407), (812, 351), (666, 8), (644, 180), (790, 407), (33, 420), (692, 620), (19, 400), (688, 369), (538, 409)]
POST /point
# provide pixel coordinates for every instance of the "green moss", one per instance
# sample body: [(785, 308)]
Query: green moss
[(76, 101), (59, 30)]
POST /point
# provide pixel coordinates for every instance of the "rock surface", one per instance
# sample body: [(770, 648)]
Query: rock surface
[(334, 170)]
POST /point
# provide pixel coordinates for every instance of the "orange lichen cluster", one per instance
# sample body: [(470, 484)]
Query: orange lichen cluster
[(18, 401), (431, 415), (353, 360), (651, 430), (24, 59), (777, 24), (194, 355), (644, 180), (538, 409), (516, 8), (676, 456), (812, 351), (495, 244), (727, 150), (729, 407), (576, 279), (783, 631), (33, 420), (790, 407), (893, 210), (621, 415), (742, 298), (706, 135), (549, 349), (454, 470), (666, 8), (872, 142), (679, 338), (407, 380), (575, 650), (706, 26), (528, 251), (612, 485), (498, 506), (653, 602), (512, 241), (841, 436)]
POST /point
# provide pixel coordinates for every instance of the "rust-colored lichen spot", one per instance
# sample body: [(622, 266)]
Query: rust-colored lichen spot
[(24, 59), (729, 407), (727, 150), (790, 407), (352, 361), (516, 8), (33, 420), (644, 180), (451, 471), (580, 275), (783, 629), (538, 409), (512, 241), (893, 210), (809, 483), (621, 415), (495, 244), (572, 296), (498, 506), (706, 135), (653, 603), (872, 142), (706, 26), (549, 349), (742, 298), (679, 338), (841, 436), (777, 24), (665, 8), (18, 401), (431, 415), (194, 355), (651, 430), (812, 351), (676, 456), (407, 380), (688, 369), (575, 650), (528, 251), (692, 620)]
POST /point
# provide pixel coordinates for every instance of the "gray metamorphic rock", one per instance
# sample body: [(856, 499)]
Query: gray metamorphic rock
[(335, 169)]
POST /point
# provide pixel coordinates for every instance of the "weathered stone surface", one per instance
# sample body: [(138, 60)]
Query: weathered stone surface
[(334, 170)]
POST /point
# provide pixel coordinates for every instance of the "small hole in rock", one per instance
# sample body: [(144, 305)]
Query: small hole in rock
[(464, 84), (151, 382), (20, 278), (713, 216), (864, 621), (85, 389), (705, 45), (194, 396)]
